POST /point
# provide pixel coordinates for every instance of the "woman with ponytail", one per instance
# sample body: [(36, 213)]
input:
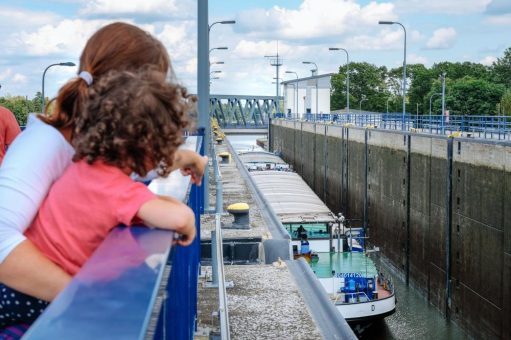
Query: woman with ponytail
[(43, 151)]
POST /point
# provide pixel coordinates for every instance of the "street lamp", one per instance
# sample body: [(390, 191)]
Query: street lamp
[(361, 100), (218, 48), (315, 71), (44, 73), (296, 90), (442, 76), (212, 72), (404, 67), (347, 75), (224, 22), (203, 73), (216, 63)]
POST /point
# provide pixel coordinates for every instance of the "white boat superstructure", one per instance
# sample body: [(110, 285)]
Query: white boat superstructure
[(335, 253)]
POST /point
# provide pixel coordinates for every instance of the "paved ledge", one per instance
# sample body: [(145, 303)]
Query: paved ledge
[(235, 190), (265, 302)]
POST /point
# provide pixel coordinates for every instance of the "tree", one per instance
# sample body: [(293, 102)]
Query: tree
[(365, 79), (22, 106), (420, 82), (470, 96), (460, 70), (505, 103), (501, 69)]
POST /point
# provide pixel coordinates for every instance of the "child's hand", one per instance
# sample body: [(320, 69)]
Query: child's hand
[(195, 168), (170, 213), (187, 234)]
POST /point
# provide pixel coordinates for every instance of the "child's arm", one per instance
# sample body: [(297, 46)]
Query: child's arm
[(169, 213), (190, 163)]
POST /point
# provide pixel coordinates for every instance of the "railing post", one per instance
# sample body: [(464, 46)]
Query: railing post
[(214, 260)]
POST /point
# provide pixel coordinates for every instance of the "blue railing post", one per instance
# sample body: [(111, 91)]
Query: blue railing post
[(178, 317)]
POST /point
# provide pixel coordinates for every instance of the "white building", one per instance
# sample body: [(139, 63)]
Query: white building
[(307, 95)]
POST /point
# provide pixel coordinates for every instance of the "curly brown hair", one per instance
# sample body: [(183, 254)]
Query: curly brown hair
[(133, 120)]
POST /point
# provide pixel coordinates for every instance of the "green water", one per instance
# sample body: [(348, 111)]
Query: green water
[(414, 319), (346, 262)]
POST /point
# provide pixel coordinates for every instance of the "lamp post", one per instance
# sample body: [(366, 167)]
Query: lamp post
[(223, 22), (218, 48), (204, 87), (362, 100), (296, 91), (314, 72), (347, 75), (430, 117), (442, 76), (216, 63), (213, 72), (44, 74), (404, 67)]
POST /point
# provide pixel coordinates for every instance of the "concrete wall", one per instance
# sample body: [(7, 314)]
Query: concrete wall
[(438, 208)]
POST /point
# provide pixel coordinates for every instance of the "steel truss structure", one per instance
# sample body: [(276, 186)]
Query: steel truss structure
[(239, 111)]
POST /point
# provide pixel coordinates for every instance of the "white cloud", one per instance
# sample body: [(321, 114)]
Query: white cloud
[(500, 20), (456, 7), (180, 40), (4, 74), (488, 60), (314, 19), (67, 37), (19, 78), (149, 9), (384, 39), (442, 38), (12, 18), (417, 59), (246, 49), (9, 76)]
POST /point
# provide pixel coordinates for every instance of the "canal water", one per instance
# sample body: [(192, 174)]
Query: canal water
[(414, 318)]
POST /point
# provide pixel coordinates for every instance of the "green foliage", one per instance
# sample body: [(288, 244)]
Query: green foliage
[(365, 79), (471, 88), (505, 103), (474, 96), (501, 69), (22, 106)]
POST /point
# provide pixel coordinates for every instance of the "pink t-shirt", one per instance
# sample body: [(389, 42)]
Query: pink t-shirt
[(9, 129), (83, 205)]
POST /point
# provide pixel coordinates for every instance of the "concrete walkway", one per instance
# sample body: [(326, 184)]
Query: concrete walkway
[(265, 302)]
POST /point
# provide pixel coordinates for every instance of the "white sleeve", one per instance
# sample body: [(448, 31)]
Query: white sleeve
[(35, 159)]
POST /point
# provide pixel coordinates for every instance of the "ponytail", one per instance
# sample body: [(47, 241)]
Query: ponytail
[(68, 104), (115, 47)]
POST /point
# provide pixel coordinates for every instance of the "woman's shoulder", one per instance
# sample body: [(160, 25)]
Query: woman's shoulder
[(41, 145)]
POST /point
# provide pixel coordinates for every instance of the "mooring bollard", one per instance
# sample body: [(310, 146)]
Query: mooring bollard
[(240, 211)]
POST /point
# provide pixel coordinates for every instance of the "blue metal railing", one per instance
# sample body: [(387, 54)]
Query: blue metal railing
[(122, 293), (179, 311), (492, 127)]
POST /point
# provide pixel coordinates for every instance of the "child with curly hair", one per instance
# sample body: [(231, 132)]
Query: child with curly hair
[(133, 122)]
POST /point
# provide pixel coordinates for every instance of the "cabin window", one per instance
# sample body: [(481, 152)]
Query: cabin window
[(313, 230)]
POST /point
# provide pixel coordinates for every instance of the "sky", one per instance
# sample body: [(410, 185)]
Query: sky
[(37, 33)]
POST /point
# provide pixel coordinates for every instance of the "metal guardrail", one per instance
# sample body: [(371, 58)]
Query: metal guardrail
[(122, 291), (220, 274), (489, 127)]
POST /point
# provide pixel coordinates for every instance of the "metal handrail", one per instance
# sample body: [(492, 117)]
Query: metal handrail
[(222, 295), (483, 126), (348, 294)]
